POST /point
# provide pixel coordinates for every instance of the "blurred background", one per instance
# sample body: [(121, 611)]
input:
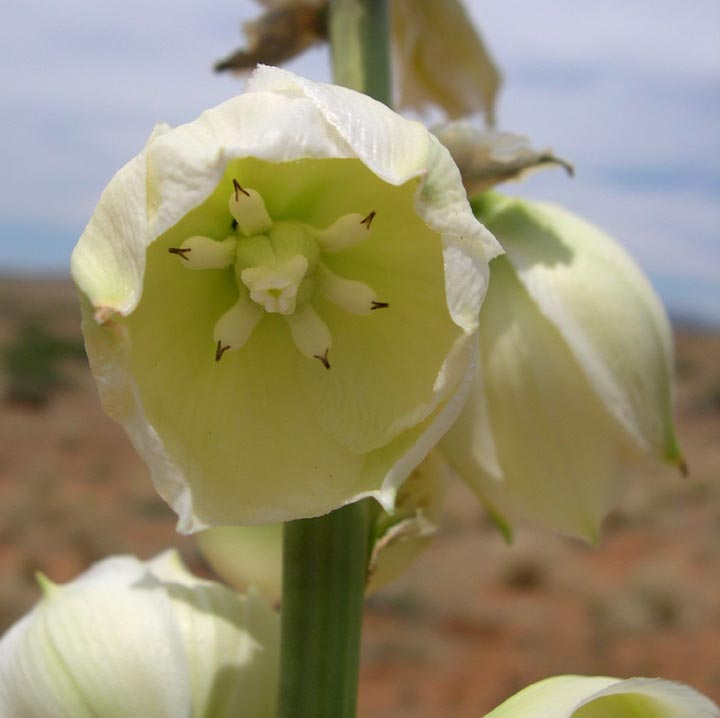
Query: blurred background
[(629, 92)]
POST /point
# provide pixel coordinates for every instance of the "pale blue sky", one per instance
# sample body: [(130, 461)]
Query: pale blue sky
[(628, 91)]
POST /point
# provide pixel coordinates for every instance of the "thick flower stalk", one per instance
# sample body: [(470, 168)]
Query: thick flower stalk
[(134, 638), (279, 302), (575, 377), (601, 697)]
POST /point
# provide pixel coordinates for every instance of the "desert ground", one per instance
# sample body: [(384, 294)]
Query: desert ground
[(472, 621)]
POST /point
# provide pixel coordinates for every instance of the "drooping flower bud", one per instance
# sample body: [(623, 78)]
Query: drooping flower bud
[(574, 379)]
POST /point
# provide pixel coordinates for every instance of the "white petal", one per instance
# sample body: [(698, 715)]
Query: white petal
[(231, 642), (560, 452), (605, 309), (104, 645), (107, 269)]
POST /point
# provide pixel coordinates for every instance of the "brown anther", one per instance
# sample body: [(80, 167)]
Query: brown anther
[(368, 220), (180, 252), (323, 358), (379, 305), (238, 188), (220, 350)]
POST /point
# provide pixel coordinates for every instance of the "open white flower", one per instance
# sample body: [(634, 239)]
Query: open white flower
[(279, 302), (133, 638), (601, 697), (574, 380)]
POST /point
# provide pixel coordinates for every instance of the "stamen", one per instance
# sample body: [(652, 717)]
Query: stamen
[(310, 333), (238, 188), (204, 253), (323, 358), (368, 220), (234, 327), (353, 296), (379, 305), (249, 211), (180, 251), (220, 350), (344, 232)]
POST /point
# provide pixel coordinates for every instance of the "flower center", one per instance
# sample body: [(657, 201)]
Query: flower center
[(278, 268)]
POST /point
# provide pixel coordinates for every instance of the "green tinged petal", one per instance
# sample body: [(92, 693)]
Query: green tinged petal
[(604, 307), (600, 697), (574, 377)]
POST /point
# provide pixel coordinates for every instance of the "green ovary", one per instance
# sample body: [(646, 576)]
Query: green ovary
[(278, 268)]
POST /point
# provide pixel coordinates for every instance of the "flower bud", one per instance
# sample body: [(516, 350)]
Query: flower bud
[(134, 638), (574, 379)]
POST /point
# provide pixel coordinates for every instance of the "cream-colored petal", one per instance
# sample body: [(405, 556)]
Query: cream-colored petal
[(562, 455), (604, 308), (105, 645), (601, 697), (231, 642), (108, 262)]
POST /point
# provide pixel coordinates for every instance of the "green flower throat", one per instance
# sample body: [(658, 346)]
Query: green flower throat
[(278, 268)]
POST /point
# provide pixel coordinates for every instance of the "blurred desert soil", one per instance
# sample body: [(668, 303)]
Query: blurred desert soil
[(470, 623)]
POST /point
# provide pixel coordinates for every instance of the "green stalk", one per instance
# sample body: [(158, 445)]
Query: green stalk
[(360, 39), (324, 571), (325, 559)]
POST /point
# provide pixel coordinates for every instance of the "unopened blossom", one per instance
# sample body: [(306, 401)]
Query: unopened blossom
[(601, 697), (279, 302), (135, 638), (574, 383)]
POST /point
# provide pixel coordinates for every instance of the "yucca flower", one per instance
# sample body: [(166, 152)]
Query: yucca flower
[(280, 299)]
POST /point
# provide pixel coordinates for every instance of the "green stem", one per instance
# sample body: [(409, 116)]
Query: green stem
[(324, 571), (360, 39)]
